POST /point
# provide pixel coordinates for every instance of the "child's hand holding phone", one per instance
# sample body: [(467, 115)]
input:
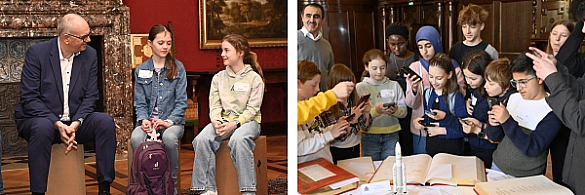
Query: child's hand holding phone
[(499, 114), (339, 127), (435, 114)]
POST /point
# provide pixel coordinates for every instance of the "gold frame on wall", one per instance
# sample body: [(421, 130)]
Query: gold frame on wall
[(139, 41), (206, 43)]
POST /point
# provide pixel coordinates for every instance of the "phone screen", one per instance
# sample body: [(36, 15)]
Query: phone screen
[(364, 98)]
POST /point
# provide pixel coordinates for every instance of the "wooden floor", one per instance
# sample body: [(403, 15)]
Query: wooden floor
[(17, 181)]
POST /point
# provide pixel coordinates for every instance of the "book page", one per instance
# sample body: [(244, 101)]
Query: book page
[(417, 167), (442, 171), (361, 167), (316, 172), (466, 170), (527, 185)]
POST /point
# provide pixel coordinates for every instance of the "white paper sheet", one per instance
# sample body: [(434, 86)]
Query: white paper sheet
[(316, 172), (359, 169)]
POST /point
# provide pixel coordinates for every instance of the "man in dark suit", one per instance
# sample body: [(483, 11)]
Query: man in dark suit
[(58, 90)]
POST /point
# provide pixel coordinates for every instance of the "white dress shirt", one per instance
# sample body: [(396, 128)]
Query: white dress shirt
[(308, 34), (66, 65)]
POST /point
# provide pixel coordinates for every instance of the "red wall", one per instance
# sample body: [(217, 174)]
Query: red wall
[(185, 17)]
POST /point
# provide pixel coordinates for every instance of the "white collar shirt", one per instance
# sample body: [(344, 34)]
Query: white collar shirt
[(66, 65), (308, 34)]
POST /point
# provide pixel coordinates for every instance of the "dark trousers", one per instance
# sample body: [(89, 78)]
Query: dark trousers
[(484, 154), (558, 149), (344, 153), (405, 136), (437, 145), (41, 135)]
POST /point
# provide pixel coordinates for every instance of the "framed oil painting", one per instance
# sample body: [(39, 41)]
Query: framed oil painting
[(262, 22), (140, 49)]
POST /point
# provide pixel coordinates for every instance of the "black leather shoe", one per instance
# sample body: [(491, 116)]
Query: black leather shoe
[(104, 193)]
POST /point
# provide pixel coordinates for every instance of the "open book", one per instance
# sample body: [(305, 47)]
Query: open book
[(362, 167), (443, 169), (527, 185), (323, 177)]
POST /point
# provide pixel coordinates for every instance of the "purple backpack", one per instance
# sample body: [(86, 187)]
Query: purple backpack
[(151, 170)]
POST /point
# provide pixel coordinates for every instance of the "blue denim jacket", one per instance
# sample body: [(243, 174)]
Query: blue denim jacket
[(172, 100)]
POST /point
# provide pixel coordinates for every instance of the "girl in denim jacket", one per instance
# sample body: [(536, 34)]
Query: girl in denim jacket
[(160, 96), (235, 98)]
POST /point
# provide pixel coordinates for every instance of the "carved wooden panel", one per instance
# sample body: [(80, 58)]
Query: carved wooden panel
[(547, 13), (12, 144), (515, 28), (351, 27), (364, 24), (338, 36)]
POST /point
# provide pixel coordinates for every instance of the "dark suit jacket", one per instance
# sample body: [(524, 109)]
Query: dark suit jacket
[(41, 86)]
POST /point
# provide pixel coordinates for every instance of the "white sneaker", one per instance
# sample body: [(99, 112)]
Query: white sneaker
[(249, 193), (210, 192)]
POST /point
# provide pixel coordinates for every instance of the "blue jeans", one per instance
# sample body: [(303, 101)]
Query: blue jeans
[(170, 138), (379, 146), (419, 146), (241, 148)]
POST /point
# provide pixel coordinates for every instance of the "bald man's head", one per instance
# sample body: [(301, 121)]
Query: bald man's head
[(71, 23)]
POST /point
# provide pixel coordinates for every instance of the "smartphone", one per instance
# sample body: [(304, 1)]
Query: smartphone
[(406, 70), (492, 102), (462, 121), (350, 117), (431, 113), (425, 124), (388, 105), (364, 98)]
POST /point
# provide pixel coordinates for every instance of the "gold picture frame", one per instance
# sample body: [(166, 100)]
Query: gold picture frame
[(140, 49), (264, 25)]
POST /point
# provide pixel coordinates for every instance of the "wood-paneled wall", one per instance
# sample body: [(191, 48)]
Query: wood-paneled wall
[(351, 27)]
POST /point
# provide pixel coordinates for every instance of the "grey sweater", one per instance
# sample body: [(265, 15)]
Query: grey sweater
[(318, 52), (512, 161), (567, 100)]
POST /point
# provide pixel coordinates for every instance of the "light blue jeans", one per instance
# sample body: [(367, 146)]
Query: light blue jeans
[(241, 148), (170, 138), (379, 146), (419, 146)]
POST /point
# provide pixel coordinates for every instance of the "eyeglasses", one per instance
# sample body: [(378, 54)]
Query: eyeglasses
[(522, 84), (84, 38)]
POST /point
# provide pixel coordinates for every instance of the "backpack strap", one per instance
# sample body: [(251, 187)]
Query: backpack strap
[(452, 103), (451, 98)]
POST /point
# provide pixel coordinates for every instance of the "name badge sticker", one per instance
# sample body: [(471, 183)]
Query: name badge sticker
[(376, 187), (387, 93), (145, 74), (241, 87)]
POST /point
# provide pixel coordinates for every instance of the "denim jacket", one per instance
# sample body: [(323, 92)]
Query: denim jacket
[(172, 100)]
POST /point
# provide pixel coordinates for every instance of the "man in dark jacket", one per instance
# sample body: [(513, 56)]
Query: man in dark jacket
[(58, 90), (567, 100)]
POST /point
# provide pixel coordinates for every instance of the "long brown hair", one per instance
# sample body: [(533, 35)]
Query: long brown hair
[(340, 73), (155, 30), (443, 61), (476, 62), (567, 23), (240, 43)]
